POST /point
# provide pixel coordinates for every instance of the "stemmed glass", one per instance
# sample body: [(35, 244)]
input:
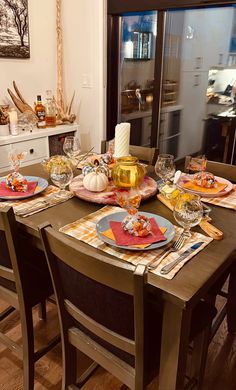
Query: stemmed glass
[(165, 167), (188, 211), (71, 147), (61, 175)]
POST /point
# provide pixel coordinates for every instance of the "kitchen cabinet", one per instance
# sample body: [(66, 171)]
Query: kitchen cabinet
[(193, 99), (206, 38), (39, 144)]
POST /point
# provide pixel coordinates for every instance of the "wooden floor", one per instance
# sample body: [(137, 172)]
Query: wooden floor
[(220, 372)]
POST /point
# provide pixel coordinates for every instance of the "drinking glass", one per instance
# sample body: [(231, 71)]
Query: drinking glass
[(71, 146), (61, 175), (165, 167), (188, 211)]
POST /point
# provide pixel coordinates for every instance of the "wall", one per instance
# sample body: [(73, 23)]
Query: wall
[(84, 37)]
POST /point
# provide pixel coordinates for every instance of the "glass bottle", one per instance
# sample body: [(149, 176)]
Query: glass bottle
[(40, 113), (50, 110)]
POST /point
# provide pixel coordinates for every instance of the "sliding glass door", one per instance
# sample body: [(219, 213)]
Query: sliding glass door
[(175, 77), (136, 74)]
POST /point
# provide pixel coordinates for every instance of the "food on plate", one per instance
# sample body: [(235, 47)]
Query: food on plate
[(95, 181), (16, 182), (204, 179), (137, 225)]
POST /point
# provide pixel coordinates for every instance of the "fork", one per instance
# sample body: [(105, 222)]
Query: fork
[(177, 245)]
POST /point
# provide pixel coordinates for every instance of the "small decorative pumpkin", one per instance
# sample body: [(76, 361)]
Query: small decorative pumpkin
[(95, 181), (107, 158), (104, 168), (87, 169)]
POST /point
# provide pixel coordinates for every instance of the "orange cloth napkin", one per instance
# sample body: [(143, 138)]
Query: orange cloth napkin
[(191, 186)]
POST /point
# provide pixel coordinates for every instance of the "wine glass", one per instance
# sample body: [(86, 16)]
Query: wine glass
[(71, 146), (188, 211), (61, 175), (165, 167)]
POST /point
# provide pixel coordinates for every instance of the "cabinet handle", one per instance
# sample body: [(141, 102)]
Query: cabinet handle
[(31, 151), (220, 62), (196, 80), (198, 62)]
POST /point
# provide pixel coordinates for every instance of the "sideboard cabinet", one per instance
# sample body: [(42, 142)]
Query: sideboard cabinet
[(38, 144)]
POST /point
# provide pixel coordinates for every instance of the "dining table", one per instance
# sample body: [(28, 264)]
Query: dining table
[(179, 295)]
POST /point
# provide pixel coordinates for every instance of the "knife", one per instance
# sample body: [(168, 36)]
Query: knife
[(167, 268)]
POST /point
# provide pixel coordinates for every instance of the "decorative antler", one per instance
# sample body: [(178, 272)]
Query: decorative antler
[(19, 101)]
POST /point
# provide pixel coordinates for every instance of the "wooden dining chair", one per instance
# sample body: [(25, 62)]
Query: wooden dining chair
[(224, 288), (227, 171), (144, 154), (107, 312), (24, 282)]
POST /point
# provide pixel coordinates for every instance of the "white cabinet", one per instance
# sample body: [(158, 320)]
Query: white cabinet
[(35, 144), (193, 100), (206, 38)]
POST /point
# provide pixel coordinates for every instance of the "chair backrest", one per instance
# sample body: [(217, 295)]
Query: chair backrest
[(9, 271), (143, 153), (227, 171), (97, 293)]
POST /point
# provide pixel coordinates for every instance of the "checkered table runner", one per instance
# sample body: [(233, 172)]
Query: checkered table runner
[(228, 201), (84, 229)]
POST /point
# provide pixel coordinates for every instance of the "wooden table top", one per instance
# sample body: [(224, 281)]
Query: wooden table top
[(192, 281)]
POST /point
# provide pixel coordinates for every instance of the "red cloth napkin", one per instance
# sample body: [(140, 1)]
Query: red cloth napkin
[(124, 238), (4, 191)]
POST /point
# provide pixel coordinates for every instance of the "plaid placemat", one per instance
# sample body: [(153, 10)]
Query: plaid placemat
[(84, 229), (228, 201), (49, 197)]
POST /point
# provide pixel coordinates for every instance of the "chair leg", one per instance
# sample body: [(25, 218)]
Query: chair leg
[(42, 310), (199, 356), (231, 302), (28, 350), (69, 357)]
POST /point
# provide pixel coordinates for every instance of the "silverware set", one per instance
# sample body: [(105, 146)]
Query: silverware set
[(175, 247), (43, 203)]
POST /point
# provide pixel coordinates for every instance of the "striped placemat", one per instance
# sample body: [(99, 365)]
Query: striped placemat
[(84, 229), (228, 201), (42, 201)]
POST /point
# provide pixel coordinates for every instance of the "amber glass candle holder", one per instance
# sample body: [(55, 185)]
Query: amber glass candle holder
[(127, 172)]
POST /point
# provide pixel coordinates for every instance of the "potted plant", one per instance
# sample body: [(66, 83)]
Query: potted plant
[(4, 120)]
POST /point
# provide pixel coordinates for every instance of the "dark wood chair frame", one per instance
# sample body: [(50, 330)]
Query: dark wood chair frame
[(143, 153), (227, 171), (125, 278), (18, 301)]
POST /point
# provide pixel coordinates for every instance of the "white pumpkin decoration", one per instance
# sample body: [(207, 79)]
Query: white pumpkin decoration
[(95, 181)]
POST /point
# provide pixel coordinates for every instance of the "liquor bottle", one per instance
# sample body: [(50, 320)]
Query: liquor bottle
[(50, 110), (40, 112)]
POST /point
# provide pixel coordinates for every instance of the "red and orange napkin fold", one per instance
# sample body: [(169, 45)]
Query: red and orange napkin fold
[(4, 191), (123, 238)]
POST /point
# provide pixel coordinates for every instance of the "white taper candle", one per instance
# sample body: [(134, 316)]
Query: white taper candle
[(122, 136)]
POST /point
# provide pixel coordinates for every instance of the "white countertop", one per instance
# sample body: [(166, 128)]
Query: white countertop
[(38, 133)]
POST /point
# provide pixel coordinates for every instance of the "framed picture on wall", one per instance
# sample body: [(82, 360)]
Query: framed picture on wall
[(14, 29)]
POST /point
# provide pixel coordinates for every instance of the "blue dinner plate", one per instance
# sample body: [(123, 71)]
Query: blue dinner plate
[(41, 186), (104, 224)]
